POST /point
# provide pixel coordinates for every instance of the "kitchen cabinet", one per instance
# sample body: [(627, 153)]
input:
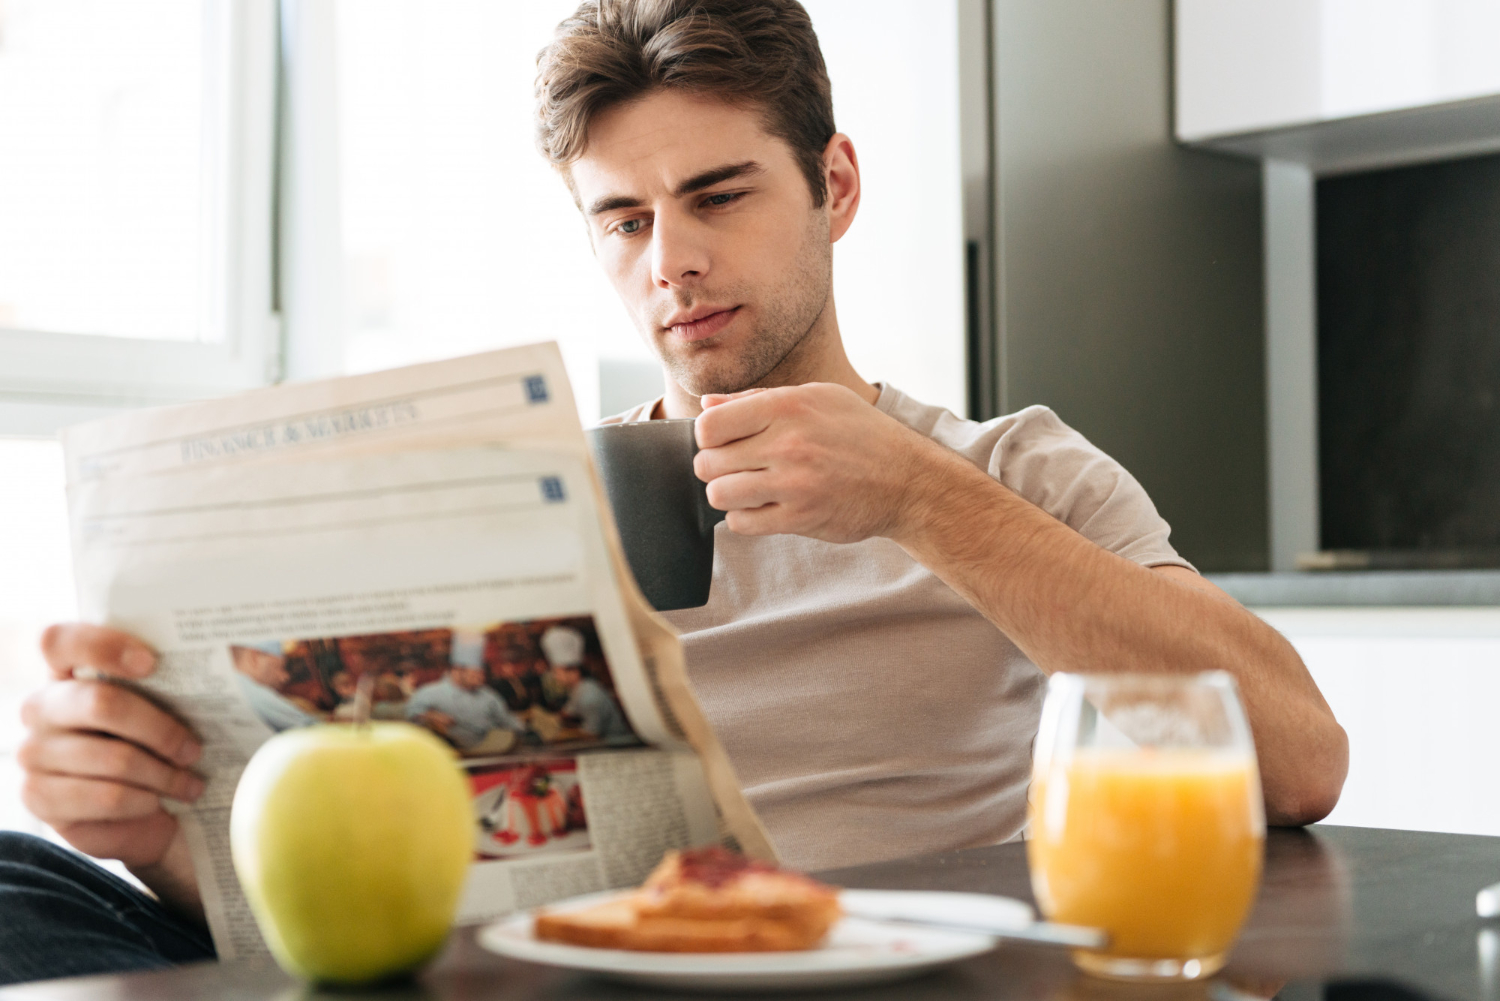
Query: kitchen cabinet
[(1339, 85)]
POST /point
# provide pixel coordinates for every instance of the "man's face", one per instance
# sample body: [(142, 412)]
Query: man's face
[(706, 228), (468, 678), (567, 677)]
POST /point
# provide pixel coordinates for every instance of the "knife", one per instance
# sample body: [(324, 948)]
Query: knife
[(1038, 932), (973, 913)]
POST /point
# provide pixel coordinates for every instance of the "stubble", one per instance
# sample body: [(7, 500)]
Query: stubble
[(786, 317)]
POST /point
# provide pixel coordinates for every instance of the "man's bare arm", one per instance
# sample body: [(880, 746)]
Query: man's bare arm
[(818, 460), (1073, 606)]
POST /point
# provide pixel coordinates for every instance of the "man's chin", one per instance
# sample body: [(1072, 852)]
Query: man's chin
[(699, 382), (746, 361)]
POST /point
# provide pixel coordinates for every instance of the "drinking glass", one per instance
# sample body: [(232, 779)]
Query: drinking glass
[(1147, 819)]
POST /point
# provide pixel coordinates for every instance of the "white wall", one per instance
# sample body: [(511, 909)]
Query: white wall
[(899, 273), (1418, 692), (458, 238)]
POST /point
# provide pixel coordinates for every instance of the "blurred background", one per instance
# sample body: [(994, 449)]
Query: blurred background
[(1251, 250)]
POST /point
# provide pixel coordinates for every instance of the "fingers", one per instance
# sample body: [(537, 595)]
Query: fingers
[(768, 520), (733, 419), (114, 710), (715, 399), (70, 646), (63, 799), (736, 457), (81, 755), (741, 491)]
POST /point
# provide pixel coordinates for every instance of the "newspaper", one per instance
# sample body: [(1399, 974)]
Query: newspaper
[(439, 528)]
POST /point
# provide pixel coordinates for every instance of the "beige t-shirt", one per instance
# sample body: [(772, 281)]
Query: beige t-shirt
[(869, 710)]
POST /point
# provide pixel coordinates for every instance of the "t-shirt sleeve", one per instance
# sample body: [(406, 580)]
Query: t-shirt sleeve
[(1063, 473)]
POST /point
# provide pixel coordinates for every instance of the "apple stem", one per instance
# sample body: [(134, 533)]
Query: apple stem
[(363, 693)]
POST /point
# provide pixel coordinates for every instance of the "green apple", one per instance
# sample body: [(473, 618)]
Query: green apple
[(352, 843)]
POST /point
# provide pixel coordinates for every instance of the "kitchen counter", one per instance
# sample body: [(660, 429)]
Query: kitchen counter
[(1363, 587)]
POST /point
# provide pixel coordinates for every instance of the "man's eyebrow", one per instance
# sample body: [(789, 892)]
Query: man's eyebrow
[(717, 175), (699, 181), (614, 202)]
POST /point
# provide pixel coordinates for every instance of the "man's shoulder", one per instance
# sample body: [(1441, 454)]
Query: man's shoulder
[(431, 688), (1032, 427), (640, 412), (1039, 456), (588, 688)]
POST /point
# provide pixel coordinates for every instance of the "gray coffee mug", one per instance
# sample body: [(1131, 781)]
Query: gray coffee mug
[(661, 508)]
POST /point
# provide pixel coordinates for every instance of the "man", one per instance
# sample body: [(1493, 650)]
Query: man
[(517, 684), (872, 543), (588, 706), (462, 708), (346, 691), (260, 671)]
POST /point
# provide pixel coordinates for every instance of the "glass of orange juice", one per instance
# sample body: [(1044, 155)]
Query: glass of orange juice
[(1146, 819)]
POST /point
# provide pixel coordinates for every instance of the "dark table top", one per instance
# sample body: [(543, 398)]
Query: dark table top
[(1335, 901)]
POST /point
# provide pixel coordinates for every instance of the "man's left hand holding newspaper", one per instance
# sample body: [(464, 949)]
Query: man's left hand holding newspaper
[(99, 758)]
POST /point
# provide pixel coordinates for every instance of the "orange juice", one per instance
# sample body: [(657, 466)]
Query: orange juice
[(1160, 847)]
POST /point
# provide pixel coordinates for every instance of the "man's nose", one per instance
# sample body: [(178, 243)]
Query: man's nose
[(679, 251)]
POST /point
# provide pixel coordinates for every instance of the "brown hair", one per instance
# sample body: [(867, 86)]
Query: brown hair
[(760, 52)]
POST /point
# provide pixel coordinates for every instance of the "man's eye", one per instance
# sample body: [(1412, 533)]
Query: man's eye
[(629, 226), (723, 199)]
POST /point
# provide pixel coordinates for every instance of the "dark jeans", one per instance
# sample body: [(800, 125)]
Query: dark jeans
[(63, 916)]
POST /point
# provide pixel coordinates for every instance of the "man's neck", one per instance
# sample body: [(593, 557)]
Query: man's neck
[(819, 357)]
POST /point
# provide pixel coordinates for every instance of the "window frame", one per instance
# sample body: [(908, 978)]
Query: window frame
[(52, 379)]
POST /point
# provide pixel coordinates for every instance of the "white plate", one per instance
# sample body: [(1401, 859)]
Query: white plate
[(856, 952)]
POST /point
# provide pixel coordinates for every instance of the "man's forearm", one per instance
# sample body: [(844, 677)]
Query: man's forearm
[(1072, 606)]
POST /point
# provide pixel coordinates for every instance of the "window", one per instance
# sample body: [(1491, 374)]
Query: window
[(102, 183), (135, 203), (135, 257)]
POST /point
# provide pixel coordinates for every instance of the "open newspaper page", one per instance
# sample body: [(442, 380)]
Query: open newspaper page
[(457, 550)]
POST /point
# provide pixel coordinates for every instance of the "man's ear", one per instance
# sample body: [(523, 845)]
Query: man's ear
[(841, 171)]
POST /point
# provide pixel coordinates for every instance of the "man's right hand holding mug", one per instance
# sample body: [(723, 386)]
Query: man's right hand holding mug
[(99, 757)]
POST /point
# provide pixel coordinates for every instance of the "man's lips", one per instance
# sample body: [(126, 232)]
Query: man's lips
[(700, 327)]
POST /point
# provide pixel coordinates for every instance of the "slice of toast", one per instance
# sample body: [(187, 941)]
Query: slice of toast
[(602, 925), (704, 900), (618, 924)]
